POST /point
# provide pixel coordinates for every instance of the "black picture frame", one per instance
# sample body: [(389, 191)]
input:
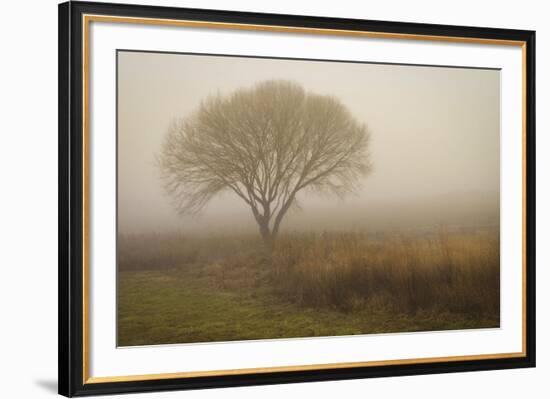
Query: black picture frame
[(71, 288)]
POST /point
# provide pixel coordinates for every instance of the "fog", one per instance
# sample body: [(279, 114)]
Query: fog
[(434, 141)]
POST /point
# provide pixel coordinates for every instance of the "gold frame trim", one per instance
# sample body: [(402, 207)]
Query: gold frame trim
[(88, 18)]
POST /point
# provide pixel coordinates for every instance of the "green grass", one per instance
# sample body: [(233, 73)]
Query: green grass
[(183, 306)]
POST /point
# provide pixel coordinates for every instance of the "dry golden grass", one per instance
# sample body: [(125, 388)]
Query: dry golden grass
[(452, 272), (442, 271)]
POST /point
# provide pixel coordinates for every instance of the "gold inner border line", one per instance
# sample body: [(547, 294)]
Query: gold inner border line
[(263, 370), (88, 18), (295, 29), (85, 201)]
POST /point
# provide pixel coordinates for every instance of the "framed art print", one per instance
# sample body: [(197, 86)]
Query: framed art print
[(255, 199)]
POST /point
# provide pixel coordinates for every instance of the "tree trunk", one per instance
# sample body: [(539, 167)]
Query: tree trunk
[(267, 237)]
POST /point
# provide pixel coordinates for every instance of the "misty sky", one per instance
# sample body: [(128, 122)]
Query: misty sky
[(434, 139)]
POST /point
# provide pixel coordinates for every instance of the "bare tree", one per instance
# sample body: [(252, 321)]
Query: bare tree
[(265, 144)]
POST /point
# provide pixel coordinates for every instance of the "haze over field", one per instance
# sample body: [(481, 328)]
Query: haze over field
[(434, 141)]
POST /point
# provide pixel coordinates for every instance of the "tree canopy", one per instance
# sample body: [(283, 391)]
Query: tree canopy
[(266, 144)]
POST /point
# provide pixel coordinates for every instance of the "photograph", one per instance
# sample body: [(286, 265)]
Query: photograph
[(274, 198)]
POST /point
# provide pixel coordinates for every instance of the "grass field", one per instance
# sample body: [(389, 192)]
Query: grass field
[(180, 289)]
